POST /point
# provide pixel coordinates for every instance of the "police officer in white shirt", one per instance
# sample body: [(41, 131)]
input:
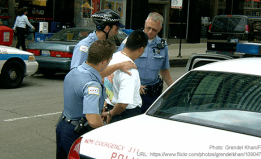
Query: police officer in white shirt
[(125, 100), (20, 27)]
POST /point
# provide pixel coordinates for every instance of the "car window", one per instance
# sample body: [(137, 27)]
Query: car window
[(236, 25), (228, 25), (219, 25), (70, 35), (201, 93)]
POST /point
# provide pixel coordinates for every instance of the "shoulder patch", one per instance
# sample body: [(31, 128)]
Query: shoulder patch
[(84, 48), (93, 90)]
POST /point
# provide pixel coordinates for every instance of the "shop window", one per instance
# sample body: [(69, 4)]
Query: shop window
[(4, 12), (89, 7)]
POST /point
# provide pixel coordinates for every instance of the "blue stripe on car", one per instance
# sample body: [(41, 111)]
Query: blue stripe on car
[(8, 56)]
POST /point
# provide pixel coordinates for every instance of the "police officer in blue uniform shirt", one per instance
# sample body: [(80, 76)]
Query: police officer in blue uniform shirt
[(153, 61), (107, 24), (84, 96)]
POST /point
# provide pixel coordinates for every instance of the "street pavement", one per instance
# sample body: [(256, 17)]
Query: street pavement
[(174, 50), (178, 57)]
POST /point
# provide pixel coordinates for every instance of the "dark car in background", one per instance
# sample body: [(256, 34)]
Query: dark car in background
[(226, 31), (55, 54)]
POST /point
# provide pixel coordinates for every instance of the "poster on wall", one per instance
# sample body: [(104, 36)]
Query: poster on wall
[(119, 8), (176, 4), (96, 6), (86, 9), (109, 5)]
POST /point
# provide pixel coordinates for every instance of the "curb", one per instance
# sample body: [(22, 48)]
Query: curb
[(178, 62)]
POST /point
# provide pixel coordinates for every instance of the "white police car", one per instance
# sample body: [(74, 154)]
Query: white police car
[(15, 64), (212, 111)]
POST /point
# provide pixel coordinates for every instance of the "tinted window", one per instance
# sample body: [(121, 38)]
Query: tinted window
[(214, 99), (236, 25), (219, 25), (79, 34), (70, 35), (228, 25)]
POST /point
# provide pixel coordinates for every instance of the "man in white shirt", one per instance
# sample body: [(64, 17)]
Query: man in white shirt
[(124, 98)]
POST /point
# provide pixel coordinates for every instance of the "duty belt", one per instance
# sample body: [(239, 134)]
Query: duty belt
[(156, 89), (73, 122), (81, 126)]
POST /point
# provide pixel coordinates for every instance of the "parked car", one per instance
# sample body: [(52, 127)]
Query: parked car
[(210, 111), (54, 55), (15, 64), (226, 31)]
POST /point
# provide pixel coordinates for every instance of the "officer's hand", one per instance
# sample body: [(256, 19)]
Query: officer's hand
[(108, 119), (142, 89), (127, 65)]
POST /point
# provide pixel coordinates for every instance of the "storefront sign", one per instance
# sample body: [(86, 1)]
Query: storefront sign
[(176, 4)]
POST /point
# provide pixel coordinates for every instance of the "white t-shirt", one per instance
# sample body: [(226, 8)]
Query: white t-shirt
[(125, 87)]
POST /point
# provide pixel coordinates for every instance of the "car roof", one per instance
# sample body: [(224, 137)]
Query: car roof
[(249, 65), (237, 16), (88, 28)]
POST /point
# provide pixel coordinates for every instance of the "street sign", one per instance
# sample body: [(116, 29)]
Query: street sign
[(176, 4)]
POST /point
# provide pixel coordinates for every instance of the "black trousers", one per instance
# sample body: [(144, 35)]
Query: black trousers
[(126, 114), (147, 100), (65, 137), (21, 38)]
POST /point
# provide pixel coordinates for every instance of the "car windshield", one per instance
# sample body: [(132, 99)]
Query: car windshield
[(70, 35), (228, 25), (221, 100)]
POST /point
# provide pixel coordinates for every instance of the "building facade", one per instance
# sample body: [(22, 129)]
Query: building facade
[(186, 19)]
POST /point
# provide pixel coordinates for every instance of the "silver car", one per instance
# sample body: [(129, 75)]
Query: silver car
[(55, 54)]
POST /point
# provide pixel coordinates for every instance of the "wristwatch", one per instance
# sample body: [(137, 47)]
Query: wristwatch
[(108, 112)]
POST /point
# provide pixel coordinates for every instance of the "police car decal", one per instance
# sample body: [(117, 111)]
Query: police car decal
[(112, 149), (3, 51), (93, 90), (84, 48)]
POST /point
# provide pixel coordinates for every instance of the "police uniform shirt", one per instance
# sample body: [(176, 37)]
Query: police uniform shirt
[(81, 50), (83, 92), (151, 61)]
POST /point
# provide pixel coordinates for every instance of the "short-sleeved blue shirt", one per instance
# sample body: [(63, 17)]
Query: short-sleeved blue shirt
[(151, 61), (81, 50), (83, 92)]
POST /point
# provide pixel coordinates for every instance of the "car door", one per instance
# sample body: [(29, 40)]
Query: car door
[(199, 59)]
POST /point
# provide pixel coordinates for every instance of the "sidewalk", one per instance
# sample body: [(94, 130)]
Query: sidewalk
[(186, 50)]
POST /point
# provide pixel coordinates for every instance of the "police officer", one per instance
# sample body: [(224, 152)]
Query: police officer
[(107, 24), (84, 96), (153, 61)]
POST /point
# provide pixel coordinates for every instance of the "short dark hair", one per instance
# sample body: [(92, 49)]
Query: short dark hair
[(136, 40), (100, 50), (21, 11)]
